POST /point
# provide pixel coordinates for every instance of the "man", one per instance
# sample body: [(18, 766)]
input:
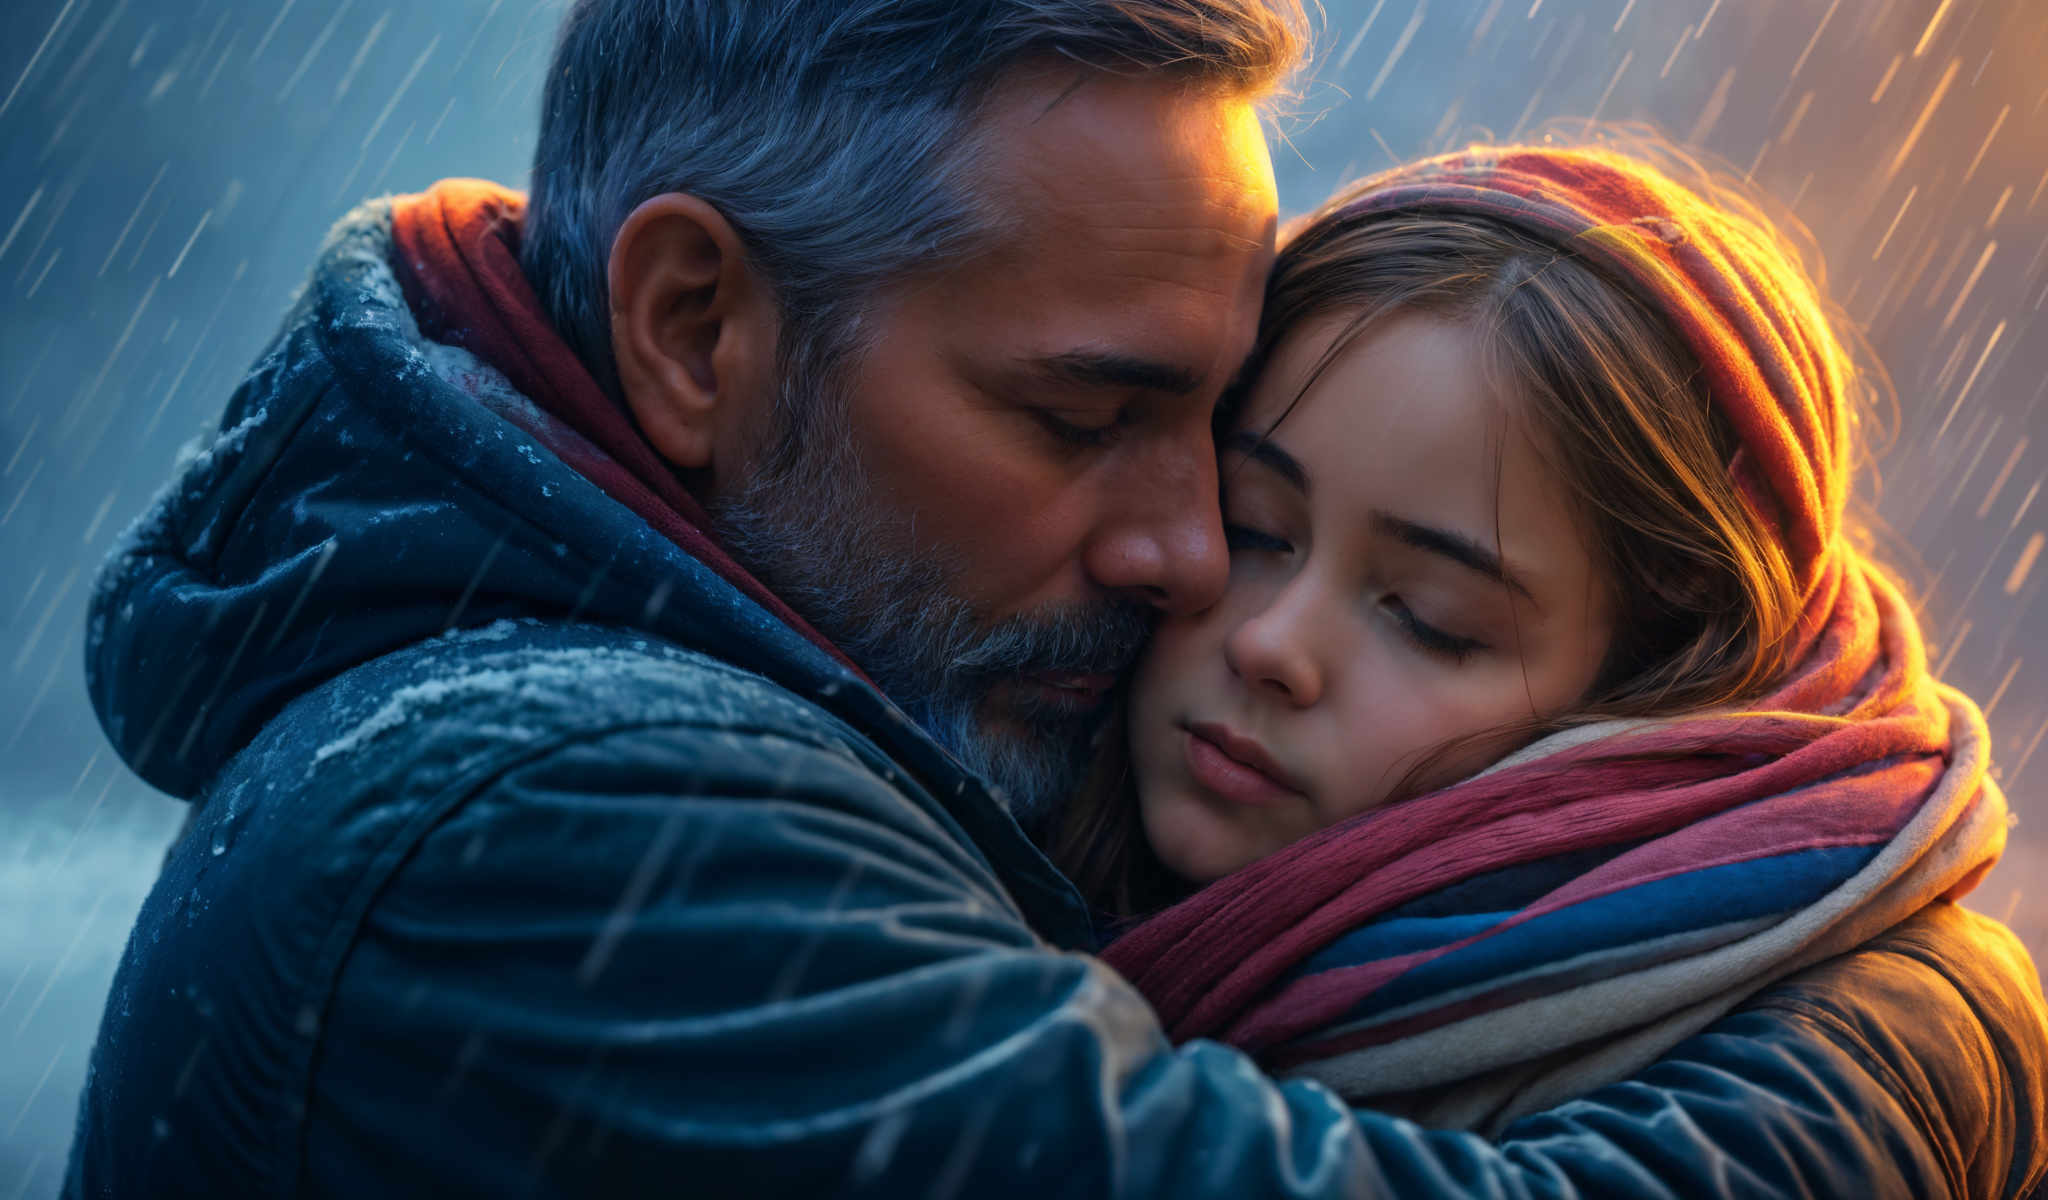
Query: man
[(588, 639)]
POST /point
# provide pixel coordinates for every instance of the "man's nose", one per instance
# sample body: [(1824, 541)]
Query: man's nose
[(1161, 537)]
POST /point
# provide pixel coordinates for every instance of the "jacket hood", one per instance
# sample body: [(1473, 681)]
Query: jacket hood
[(367, 488)]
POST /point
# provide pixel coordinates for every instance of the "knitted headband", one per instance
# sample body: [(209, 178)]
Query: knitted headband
[(1732, 292)]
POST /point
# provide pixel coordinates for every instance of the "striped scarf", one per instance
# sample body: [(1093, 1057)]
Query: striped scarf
[(1563, 918)]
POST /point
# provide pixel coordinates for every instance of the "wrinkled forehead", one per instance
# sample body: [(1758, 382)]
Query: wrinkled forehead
[(1127, 162), (1136, 218)]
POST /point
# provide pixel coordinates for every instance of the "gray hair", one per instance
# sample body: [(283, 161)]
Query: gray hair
[(836, 135)]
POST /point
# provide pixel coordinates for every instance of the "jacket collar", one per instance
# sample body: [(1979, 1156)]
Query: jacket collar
[(369, 488), (457, 260)]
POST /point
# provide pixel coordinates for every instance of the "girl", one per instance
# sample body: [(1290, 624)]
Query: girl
[(1550, 711)]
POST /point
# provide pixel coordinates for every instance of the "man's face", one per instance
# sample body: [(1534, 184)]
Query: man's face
[(1018, 473)]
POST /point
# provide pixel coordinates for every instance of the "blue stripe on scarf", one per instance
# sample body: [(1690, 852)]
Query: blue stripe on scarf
[(1701, 899)]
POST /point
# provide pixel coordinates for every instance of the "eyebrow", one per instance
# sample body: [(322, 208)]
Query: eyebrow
[(1454, 546), (1263, 450), (1122, 372), (1447, 543)]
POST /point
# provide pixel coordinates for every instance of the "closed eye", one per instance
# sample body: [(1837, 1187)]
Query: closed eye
[(1242, 537), (1087, 436), (1428, 637)]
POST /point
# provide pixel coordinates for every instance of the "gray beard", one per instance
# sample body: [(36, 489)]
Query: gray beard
[(808, 525)]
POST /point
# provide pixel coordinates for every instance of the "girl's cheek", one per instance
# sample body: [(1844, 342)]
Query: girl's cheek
[(1465, 716), (1189, 649), (1160, 673), (1182, 665), (1399, 712)]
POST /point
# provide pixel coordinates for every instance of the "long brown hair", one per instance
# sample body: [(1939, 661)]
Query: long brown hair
[(1704, 596)]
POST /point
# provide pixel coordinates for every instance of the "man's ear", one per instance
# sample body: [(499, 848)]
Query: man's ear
[(693, 332)]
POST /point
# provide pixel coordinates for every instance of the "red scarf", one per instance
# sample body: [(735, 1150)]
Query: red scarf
[(458, 263)]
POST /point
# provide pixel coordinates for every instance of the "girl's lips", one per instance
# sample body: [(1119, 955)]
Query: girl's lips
[(1233, 780)]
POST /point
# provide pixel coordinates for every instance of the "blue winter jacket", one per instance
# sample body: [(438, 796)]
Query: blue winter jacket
[(531, 859)]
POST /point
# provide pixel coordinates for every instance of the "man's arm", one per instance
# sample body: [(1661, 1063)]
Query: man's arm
[(691, 962)]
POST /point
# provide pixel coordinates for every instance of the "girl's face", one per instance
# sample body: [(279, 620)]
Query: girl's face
[(1405, 569)]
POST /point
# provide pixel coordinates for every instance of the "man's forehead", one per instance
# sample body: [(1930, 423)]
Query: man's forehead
[(1115, 154), (1137, 224), (1165, 216)]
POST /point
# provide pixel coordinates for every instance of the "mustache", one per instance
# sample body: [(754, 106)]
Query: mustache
[(1103, 639)]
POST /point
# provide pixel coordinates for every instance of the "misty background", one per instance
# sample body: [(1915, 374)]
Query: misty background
[(168, 168)]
